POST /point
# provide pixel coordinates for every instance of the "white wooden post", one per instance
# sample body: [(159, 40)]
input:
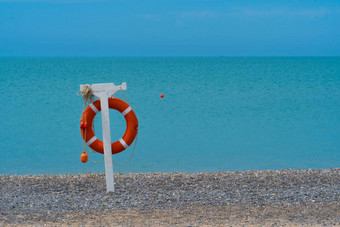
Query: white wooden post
[(104, 91)]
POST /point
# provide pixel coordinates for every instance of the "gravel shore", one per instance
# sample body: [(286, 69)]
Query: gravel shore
[(282, 197)]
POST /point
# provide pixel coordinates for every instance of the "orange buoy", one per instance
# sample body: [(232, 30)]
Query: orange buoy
[(83, 157), (131, 126), (162, 96)]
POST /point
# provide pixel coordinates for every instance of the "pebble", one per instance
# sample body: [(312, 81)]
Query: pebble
[(60, 194)]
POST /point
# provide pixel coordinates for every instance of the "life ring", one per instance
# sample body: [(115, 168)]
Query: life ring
[(121, 144)]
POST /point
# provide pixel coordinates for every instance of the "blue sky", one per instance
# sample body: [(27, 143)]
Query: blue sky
[(169, 28)]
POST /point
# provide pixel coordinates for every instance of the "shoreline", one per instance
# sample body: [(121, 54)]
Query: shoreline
[(266, 197), (158, 173)]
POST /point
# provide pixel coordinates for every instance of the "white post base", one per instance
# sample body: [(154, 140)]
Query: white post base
[(104, 91)]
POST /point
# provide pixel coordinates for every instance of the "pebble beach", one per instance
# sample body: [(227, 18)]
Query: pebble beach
[(250, 198)]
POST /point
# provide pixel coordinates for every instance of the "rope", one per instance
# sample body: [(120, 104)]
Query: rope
[(133, 151), (134, 146), (96, 162), (125, 96), (88, 97)]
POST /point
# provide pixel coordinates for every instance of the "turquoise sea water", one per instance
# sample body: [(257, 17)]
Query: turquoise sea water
[(218, 114)]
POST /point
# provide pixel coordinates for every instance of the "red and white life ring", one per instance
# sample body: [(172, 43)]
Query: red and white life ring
[(121, 144)]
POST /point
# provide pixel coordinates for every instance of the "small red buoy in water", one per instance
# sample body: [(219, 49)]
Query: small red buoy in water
[(83, 157), (82, 125), (162, 96), (85, 125)]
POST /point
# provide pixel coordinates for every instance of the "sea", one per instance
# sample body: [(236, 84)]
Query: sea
[(217, 114)]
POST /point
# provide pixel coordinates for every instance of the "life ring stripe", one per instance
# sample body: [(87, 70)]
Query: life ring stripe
[(123, 143), (127, 110), (94, 108), (91, 140)]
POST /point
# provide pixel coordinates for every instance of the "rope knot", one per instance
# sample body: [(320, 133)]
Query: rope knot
[(87, 94)]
